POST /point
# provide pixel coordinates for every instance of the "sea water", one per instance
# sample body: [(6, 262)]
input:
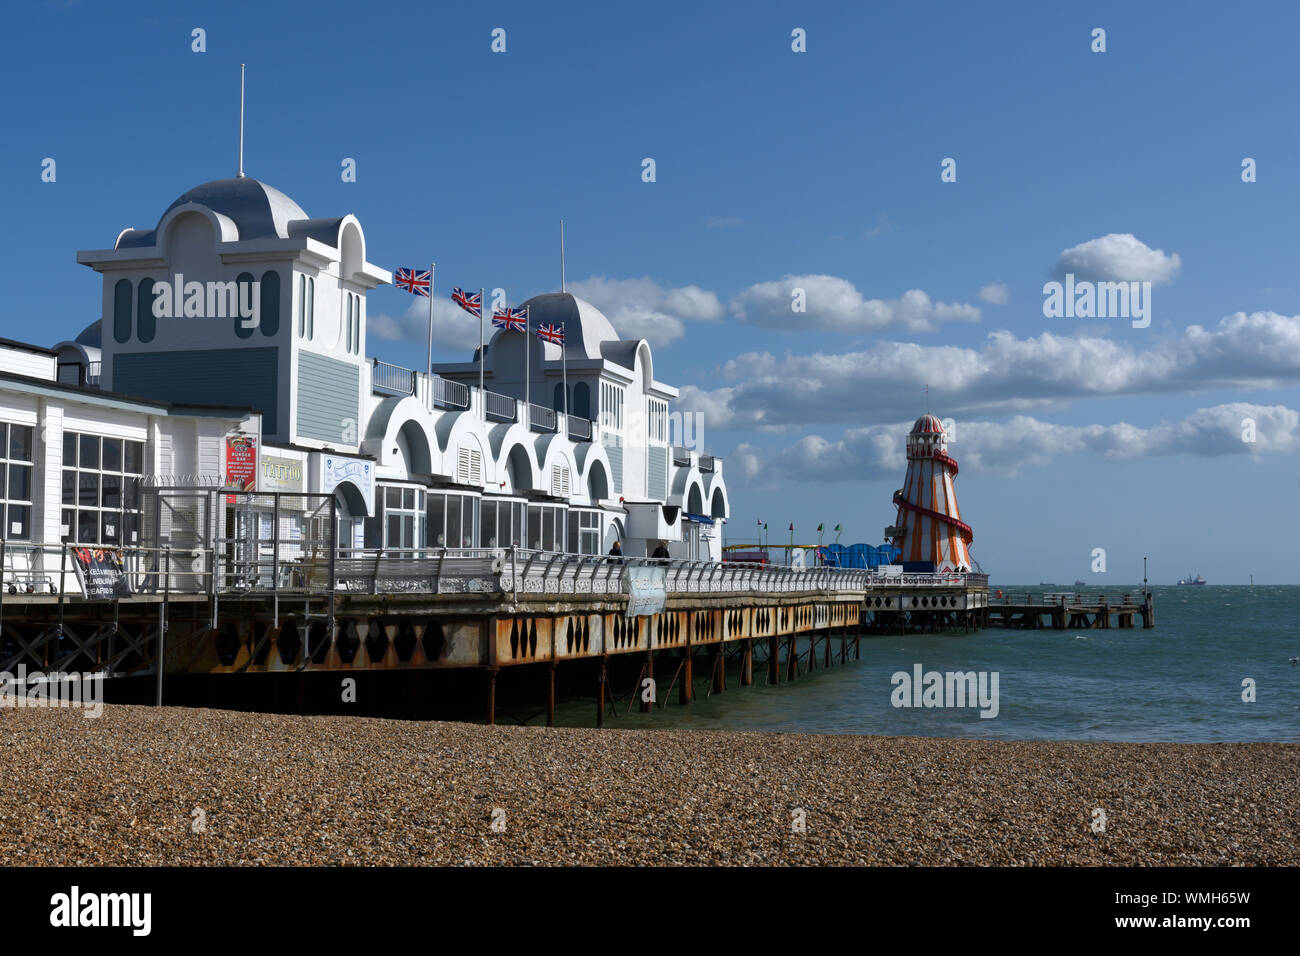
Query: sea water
[(1191, 678)]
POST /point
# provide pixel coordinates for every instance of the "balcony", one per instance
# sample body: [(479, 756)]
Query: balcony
[(445, 393), (579, 429), (500, 408), (542, 419), (388, 379)]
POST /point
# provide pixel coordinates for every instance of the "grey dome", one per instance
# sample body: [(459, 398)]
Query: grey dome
[(585, 327), (258, 211), (91, 335)]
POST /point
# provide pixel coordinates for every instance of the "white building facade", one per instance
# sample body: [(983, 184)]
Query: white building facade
[(238, 317)]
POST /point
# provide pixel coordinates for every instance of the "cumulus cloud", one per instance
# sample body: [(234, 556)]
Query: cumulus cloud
[(453, 328), (1004, 375), (836, 305), (1005, 448), (643, 309), (995, 293), (1118, 257)]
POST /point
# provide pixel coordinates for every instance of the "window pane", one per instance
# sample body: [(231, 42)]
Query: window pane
[(548, 528), (89, 457), (20, 482), (573, 536), (69, 487), (112, 454), (112, 526), (69, 449), (89, 490), (393, 497), (131, 497), (68, 520), (131, 529), (111, 491), (394, 531), (467, 520), (134, 457), (453, 521), (534, 539), (488, 524), (408, 498), (19, 523), (88, 527), (20, 442)]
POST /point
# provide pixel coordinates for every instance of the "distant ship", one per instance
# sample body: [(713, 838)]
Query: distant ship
[(1080, 584), (1192, 580)]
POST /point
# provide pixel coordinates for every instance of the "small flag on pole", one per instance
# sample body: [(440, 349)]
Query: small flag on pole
[(821, 526), (513, 320), (551, 333), (471, 302), (416, 283)]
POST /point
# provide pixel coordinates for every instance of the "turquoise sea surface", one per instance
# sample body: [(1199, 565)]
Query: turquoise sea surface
[(1180, 681)]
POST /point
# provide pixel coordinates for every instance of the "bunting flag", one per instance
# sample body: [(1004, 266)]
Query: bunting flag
[(416, 283), (471, 302)]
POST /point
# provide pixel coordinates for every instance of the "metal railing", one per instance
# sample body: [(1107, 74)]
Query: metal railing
[(579, 428), (681, 455), (501, 407), (445, 393), (706, 463), (392, 379), (93, 372), (542, 419)]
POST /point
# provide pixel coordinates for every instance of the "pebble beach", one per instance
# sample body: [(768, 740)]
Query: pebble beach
[(145, 786)]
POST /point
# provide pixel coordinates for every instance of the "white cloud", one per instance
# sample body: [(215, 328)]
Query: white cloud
[(995, 293), (1005, 375), (454, 329), (836, 305), (643, 309), (1005, 448), (1118, 257)]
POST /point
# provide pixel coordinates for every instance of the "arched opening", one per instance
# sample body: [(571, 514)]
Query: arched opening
[(145, 323), (695, 500), (122, 310), (557, 400), (413, 448), (519, 469), (270, 304), (244, 283), (582, 400), (718, 506), (597, 481)]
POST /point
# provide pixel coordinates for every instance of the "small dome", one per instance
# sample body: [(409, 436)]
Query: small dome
[(91, 335), (585, 327), (258, 210), (927, 424)]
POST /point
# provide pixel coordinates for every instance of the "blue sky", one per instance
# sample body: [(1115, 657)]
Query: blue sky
[(773, 169)]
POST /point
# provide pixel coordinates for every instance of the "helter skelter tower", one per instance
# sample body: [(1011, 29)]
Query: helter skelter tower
[(929, 525)]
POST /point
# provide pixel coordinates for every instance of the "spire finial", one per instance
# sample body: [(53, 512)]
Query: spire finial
[(241, 121)]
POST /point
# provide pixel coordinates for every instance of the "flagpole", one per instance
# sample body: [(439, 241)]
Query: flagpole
[(528, 366), (482, 395), (432, 266), (564, 367)]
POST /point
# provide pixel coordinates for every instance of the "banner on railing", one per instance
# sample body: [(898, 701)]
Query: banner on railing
[(101, 573), (646, 589)]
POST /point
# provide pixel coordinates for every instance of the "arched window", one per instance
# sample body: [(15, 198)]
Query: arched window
[(145, 323), (302, 307), (558, 402), (122, 310), (582, 400), (270, 306), (311, 307), (244, 284)]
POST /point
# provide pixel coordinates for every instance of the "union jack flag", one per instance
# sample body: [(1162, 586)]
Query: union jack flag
[(513, 320), (471, 302), (416, 283), (551, 333)]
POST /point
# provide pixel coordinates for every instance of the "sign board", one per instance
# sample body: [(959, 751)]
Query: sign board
[(101, 573), (241, 463), (646, 589), (358, 471), (891, 570), (281, 474)]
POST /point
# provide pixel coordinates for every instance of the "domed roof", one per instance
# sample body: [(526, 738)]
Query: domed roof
[(91, 334), (927, 424), (585, 326), (259, 210)]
